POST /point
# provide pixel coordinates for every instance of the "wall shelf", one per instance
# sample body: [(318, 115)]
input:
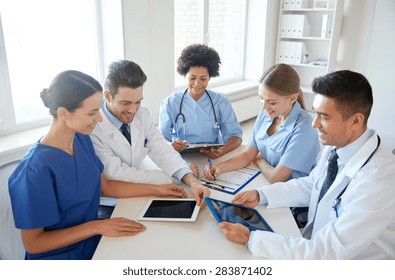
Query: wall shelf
[(308, 35)]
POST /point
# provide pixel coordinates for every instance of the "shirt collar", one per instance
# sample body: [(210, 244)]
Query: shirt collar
[(110, 116), (291, 118), (347, 152)]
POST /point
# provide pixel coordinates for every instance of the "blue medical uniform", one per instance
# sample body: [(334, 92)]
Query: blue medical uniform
[(199, 118), (51, 189), (295, 145)]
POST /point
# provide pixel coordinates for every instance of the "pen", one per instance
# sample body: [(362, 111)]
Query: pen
[(336, 202), (211, 166)]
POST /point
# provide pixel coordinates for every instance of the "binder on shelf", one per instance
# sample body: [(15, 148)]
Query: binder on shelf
[(326, 29), (291, 52), (295, 4), (284, 26), (300, 52), (331, 4), (294, 26), (286, 49), (281, 52), (324, 4), (300, 25), (300, 4), (329, 28), (286, 4), (287, 25), (321, 4)]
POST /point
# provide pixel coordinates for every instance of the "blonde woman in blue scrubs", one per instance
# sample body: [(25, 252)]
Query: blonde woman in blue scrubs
[(55, 190), (197, 115), (283, 143)]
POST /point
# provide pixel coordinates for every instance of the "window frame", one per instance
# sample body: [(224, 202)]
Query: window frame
[(205, 39)]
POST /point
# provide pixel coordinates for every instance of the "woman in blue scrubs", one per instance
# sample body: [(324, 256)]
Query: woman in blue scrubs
[(56, 188), (197, 115), (283, 144)]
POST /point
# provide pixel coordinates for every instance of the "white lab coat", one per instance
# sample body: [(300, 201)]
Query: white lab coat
[(365, 226), (123, 161)]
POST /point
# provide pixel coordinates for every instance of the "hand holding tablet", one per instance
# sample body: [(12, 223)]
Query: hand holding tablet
[(234, 213), (187, 210)]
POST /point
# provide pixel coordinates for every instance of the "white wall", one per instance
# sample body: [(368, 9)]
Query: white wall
[(380, 71), (149, 41), (367, 46)]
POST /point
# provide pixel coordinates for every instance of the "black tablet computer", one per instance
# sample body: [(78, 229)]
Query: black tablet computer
[(170, 210), (233, 213)]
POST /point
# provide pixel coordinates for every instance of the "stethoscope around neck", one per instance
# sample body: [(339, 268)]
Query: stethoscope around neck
[(181, 115)]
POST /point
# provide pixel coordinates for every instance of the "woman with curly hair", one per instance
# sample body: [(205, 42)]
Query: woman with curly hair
[(197, 115)]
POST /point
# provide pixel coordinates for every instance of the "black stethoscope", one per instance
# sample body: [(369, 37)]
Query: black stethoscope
[(180, 114)]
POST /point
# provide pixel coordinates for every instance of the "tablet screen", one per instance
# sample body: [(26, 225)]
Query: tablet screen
[(233, 213), (170, 210)]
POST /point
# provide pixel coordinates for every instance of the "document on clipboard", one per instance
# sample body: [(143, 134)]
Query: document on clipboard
[(231, 182), (195, 148)]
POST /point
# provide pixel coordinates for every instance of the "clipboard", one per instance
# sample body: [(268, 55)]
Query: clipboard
[(231, 182), (195, 148)]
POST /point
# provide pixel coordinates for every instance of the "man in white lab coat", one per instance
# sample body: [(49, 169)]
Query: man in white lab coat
[(123, 118), (355, 219)]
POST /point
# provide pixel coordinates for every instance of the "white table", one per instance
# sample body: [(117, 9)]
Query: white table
[(184, 241)]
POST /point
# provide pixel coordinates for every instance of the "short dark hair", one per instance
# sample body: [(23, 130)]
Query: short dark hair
[(197, 55), (69, 89), (351, 91), (124, 73)]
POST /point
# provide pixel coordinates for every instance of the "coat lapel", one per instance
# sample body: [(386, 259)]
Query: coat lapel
[(342, 180), (108, 129)]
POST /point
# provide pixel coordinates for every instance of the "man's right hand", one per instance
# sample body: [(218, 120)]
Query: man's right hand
[(248, 198)]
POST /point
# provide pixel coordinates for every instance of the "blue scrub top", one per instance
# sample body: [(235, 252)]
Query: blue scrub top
[(199, 118), (295, 145), (51, 189)]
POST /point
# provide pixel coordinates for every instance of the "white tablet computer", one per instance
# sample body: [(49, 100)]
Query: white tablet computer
[(170, 209)]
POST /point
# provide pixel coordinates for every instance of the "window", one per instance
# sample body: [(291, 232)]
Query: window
[(39, 39), (219, 24)]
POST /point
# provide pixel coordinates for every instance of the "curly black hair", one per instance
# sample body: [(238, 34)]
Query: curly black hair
[(199, 55)]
